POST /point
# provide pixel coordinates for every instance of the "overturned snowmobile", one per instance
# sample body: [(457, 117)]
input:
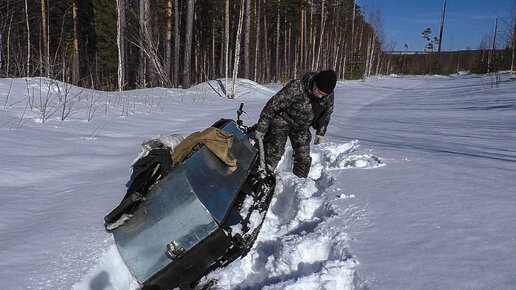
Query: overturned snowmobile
[(181, 219)]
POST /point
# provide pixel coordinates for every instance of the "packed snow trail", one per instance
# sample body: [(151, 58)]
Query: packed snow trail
[(299, 245)]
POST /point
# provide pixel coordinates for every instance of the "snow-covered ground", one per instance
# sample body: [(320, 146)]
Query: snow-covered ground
[(413, 187)]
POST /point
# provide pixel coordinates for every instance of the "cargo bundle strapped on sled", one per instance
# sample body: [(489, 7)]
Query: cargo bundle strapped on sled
[(189, 212)]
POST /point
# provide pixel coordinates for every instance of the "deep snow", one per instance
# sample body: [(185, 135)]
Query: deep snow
[(412, 188)]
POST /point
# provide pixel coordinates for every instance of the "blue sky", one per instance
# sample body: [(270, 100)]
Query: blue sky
[(467, 22)]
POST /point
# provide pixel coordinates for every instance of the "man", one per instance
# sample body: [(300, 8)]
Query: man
[(290, 113)]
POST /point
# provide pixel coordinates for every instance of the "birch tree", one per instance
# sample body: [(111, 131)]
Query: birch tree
[(120, 8), (28, 38), (237, 49)]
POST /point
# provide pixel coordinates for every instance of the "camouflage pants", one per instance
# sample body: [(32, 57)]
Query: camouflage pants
[(274, 145)]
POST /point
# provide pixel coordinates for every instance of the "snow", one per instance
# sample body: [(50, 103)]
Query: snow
[(412, 188)]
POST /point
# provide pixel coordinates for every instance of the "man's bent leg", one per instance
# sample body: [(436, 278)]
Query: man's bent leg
[(275, 140), (301, 145)]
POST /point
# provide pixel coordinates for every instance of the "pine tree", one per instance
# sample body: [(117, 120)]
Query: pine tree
[(188, 43), (105, 33)]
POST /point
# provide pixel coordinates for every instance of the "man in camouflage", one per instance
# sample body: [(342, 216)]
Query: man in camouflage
[(290, 113)]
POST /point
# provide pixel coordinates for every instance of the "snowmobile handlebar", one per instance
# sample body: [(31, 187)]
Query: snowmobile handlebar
[(239, 122), (239, 113)]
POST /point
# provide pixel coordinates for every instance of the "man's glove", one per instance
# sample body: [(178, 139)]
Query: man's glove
[(258, 135), (318, 139)]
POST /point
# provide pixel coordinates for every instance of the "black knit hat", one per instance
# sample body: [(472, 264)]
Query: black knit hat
[(326, 80)]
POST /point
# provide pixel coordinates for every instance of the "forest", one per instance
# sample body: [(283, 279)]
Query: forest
[(128, 44), (124, 44)]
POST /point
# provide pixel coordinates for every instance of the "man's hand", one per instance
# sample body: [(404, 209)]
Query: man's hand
[(258, 135), (318, 139)]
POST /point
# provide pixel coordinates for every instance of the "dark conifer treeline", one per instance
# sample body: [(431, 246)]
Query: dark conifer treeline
[(76, 41), (475, 61)]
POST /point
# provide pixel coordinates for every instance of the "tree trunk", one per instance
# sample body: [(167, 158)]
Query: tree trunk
[(247, 35), (44, 41), (301, 39), (337, 43), (266, 51), (177, 43), (142, 71), (63, 66), (257, 39), (321, 34), (277, 58), (168, 39), (361, 36), (154, 65), (237, 48), (368, 49), (7, 67), (287, 65), (1, 49), (212, 70), (513, 44), (28, 38), (188, 43), (304, 65), (370, 55), (149, 45), (257, 45), (352, 33), (120, 8), (296, 60), (312, 39), (75, 59), (378, 63), (222, 58), (195, 51), (491, 55), (441, 32), (226, 41)]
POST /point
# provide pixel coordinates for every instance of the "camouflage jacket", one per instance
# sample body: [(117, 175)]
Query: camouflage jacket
[(297, 105)]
